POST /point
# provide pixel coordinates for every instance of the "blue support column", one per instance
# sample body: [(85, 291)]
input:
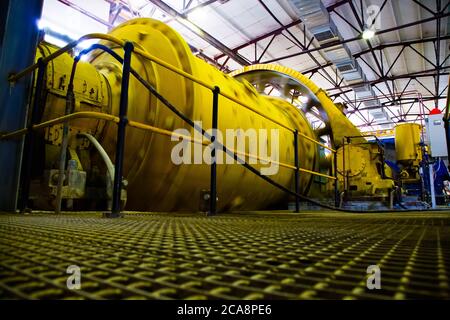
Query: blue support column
[(30, 139), (18, 40)]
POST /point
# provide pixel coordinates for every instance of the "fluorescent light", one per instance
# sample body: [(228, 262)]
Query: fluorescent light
[(86, 44), (303, 99), (40, 24), (368, 34), (84, 57), (53, 40), (275, 93)]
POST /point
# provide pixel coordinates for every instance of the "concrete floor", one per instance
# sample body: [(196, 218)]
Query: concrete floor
[(231, 256)]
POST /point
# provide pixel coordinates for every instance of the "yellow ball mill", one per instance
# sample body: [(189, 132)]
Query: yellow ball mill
[(155, 183)]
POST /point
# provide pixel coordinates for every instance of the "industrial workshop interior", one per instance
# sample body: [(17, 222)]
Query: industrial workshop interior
[(224, 150)]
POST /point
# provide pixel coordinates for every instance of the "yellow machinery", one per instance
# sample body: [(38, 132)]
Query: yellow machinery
[(154, 182), (362, 170), (408, 150), (360, 163)]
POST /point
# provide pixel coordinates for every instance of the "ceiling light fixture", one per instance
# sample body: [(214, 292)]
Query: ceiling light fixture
[(303, 99), (368, 34), (41, 24)]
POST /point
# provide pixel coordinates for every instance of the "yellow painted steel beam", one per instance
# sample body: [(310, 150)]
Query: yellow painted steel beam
[(317, 142)]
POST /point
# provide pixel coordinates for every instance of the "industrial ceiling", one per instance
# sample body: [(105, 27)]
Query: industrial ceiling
[(398, 74)]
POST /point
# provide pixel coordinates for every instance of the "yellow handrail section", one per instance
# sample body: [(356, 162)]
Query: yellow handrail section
[(139, 125), (316, 142), (143, 126), (73, 116), (146, 55)]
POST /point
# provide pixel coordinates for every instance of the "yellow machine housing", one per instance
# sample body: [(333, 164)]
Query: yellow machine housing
[(361, 167), (155, 183), (407, 143), (408, 149), (362, 171)]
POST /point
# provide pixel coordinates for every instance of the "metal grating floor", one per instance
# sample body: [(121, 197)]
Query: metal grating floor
[(250, 256)]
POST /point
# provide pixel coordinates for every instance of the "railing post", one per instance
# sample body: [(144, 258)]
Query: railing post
[(70, 105), (213, 187), (336, 181), (297, 172), (30, 137), (344, 169), (121, 128)]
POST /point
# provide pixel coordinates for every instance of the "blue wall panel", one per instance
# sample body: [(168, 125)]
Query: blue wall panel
[(18, 40)]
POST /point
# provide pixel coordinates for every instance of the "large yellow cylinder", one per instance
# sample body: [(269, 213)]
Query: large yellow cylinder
[(155, 183), (407, 142)]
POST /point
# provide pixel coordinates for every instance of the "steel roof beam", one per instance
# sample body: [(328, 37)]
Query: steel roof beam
[(264, 36), (394, 62), (86, 13), (400, 44), (438, 47), (200, 5), (403, 101), (356, 55), (425, 7), (446, 117), (337, 4), (332, 44), (304, 47), (419, 74), (182, 18)]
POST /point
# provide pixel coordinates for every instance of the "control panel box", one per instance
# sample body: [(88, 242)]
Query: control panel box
[(436, 135)]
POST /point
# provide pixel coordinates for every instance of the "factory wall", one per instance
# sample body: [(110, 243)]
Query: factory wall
[(18, 40)]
